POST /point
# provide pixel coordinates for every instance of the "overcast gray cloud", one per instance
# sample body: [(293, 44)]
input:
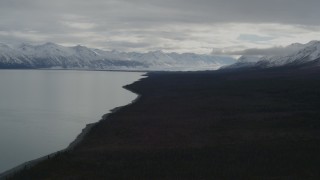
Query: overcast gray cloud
[(272, 51), (174, 25)]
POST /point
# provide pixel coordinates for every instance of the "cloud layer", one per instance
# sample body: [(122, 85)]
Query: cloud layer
[(272, 51), (175, 25)]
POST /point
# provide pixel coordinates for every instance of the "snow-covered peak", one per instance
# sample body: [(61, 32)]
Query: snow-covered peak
[(299, 54), (25, 47), (53, 55), (244, 61), (309, 52), (296, 45), (248, 58), (50, 44), (50, 47), (155, 58), (313, 49), (47, 50), (312, 43), (80, 48)]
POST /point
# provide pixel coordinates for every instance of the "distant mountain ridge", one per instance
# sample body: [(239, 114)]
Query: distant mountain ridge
[(306, 54), (50, 55)]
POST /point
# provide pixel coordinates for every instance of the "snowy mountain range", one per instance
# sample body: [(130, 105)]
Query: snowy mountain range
[(306, 54), (51, 55)]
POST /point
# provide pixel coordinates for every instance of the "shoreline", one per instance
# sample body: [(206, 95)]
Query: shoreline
[(203, 125), (4, 175)]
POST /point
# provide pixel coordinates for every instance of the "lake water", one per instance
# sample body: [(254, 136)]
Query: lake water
[(42, 111)]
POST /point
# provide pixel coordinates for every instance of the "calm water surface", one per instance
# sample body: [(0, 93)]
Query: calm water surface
[(42, 111)]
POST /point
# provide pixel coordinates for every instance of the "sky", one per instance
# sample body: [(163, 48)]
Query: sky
[(199, 26)]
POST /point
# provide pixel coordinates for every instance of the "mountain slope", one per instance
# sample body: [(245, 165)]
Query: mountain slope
[(308, 54), (51, 55), (243, 62)]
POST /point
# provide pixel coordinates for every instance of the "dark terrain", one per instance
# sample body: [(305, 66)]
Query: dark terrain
[(254, 124)]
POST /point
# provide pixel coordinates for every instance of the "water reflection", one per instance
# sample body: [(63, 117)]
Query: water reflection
[(42, 111)]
